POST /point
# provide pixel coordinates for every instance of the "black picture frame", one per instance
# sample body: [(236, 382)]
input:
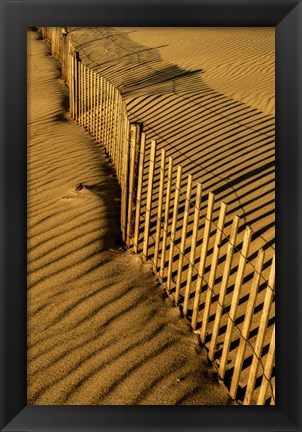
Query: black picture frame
[(16, 16)]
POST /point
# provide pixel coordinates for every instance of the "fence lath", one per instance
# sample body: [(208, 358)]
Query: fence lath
[(159, 209), (149, 201), (183, 238), (166, 218), (173, 226), (139, 192), (193, 249)]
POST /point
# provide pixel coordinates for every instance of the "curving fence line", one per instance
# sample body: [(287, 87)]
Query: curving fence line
[(200, 252)]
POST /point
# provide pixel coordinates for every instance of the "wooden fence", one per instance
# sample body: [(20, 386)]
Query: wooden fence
[(200, 252)]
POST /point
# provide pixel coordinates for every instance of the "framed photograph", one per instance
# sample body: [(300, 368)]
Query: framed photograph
[(88, 350)]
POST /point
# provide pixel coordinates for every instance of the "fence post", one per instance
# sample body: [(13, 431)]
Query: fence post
[(235, 299), (224, 285), (134, 145), (211, 283), (193, 248), (166, 218), (139, 192), (174, 226), (183, 238), (149, 201), (203, 256), (160, 208), (261, 334), (247, 324)]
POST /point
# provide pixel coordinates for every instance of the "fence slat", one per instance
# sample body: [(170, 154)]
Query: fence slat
[(84, 96), (149, 201), (203, 257), (235, 299), (97, 120), (247, 324), (183, 238), (81, 93), (159, 208), (71, 87), (261, 334), (174, 227), (76, 87), (166, 218), (193, 248), (124, 185), (267, 374), (139, 192), (223, 287), (212, 276), (133, 155)]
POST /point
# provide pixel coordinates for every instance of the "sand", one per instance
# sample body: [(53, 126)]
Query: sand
[(100, 329), (207, 96)]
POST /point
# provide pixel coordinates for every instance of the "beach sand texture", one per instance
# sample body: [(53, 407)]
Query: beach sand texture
[(100, 331), (207, 96)]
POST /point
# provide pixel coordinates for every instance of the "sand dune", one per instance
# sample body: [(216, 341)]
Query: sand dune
[(184, 94), (100, 331), (207, 96)]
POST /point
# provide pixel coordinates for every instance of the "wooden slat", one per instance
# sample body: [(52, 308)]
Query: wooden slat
[(183, 237), (149, 201), (261, 335), (139, 192), (223, 287), (273, 398), (166, 218), (120, 139), (76, 87), (110, 123), (159, 209), (133, 147), (269, 365), (247, 324), (114, 130), (174, 227), (235, 299), (97, 122), (81, 93), (85, 96), (193, 248), (203, 257), (94, 104), (101, 116), (71, 86), (124, 185), (212, 276)]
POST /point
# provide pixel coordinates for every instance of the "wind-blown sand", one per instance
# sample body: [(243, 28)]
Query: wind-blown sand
[(100, 331), (207, 96)]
